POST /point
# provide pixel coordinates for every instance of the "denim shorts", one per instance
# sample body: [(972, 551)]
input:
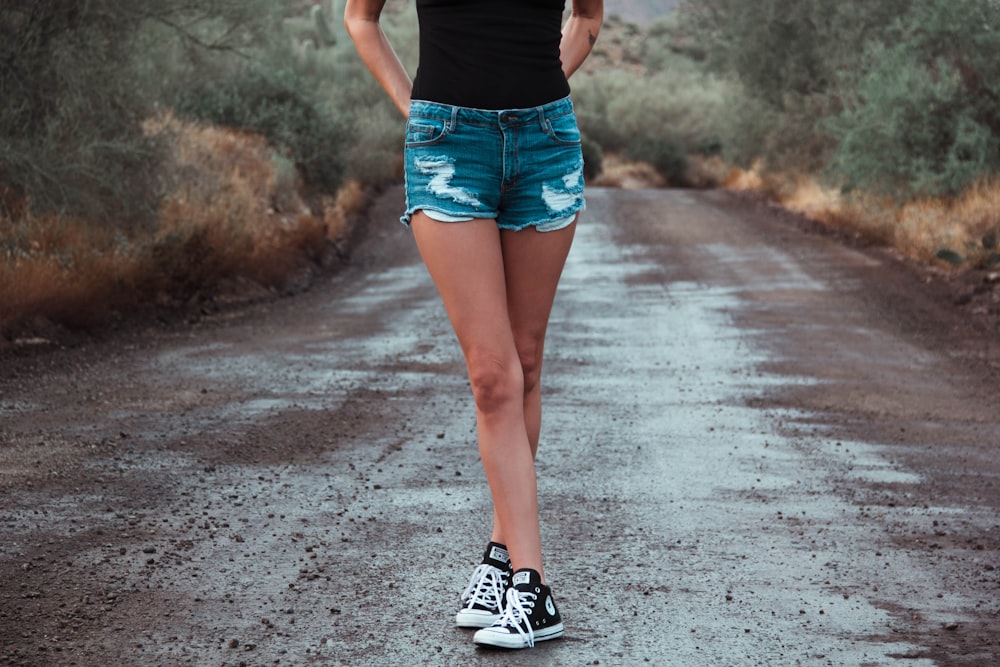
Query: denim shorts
[(521, 167)]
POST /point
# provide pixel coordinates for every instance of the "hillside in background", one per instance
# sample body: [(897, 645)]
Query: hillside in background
[(638, 11)]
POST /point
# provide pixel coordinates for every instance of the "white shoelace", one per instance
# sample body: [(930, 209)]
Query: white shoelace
[(515, 614), (486, 587)]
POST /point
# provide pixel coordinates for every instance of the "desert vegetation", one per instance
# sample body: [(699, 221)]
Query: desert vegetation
[(882, 117), (164, 152)]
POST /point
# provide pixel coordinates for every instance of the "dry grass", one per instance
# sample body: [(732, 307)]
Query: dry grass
[(233, 208), (706, 171), (617, 172), (62, 270), (928, 230)]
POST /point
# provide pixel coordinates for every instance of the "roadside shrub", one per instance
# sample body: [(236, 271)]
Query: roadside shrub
[(659, 118), (667, 45), (925, 120), (69, 135), (277, 103), (228, 213), (787, 140), (661, 111), (795, 62), (374, 155), (75, 85), (593, 158), (108, 201), (899, 97), (230, 210), (593, 93), (663, 154)]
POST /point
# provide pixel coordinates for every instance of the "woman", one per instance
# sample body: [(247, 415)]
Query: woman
[(494, 186)]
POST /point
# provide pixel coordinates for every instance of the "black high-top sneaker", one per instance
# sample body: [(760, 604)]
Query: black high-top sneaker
[(483, 598), (529, 616)]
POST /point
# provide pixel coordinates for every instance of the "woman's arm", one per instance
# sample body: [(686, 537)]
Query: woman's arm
[(580, 33), (361, 17)]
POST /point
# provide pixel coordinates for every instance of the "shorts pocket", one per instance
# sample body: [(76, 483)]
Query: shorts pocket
[(424, 131), (563, 129)]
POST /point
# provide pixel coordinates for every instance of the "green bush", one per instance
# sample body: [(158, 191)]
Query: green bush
[(662, 112), (794, 61), (375, 155), (593, 93), (900, 97), (593, 158), (348, 91), (276, 101), (70, 139), (76, 84), (658, 118), (663, 153), (667, 45), (925, 119)]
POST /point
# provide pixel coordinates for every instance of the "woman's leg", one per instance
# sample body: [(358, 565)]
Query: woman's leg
[(466, 262), (533, 262)]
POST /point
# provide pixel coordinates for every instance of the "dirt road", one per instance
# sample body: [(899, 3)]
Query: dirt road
[(761, 447)]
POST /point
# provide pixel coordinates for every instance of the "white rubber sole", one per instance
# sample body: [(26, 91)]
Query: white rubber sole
[(501, 638), (475, 618)]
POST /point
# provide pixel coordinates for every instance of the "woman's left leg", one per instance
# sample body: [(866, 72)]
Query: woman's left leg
[(533, 263), (465, 261)]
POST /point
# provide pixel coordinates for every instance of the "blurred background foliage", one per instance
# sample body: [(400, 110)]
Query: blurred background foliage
[(116, 115), (80, 78), (899, 97)]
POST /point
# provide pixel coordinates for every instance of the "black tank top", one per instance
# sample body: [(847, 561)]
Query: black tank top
[(490, 54)]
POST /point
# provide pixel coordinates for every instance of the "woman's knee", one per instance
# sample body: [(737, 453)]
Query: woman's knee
[(529, 353), (495, 382)]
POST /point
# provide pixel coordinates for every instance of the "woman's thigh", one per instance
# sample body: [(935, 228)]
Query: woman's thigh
[(533, 263), (465, 261), (498, 286)]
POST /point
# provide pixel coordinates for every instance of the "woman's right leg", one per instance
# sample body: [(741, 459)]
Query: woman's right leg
[(465, 260)]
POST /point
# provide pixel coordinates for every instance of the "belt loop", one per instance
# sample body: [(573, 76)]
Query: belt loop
[(541, 117), (454, 118)]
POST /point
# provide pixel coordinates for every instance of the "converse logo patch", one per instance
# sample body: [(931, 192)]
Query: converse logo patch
[(523, 577), (549, 607), (500, 554)]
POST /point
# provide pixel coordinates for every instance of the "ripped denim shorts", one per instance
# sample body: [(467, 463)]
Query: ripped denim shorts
[(521, 167)]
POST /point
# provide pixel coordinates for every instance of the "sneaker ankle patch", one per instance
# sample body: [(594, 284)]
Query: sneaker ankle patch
[(498, 553), (521, 577)]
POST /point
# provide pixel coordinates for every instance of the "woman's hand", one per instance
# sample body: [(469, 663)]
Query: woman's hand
[(580, 33), (361, 18)]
